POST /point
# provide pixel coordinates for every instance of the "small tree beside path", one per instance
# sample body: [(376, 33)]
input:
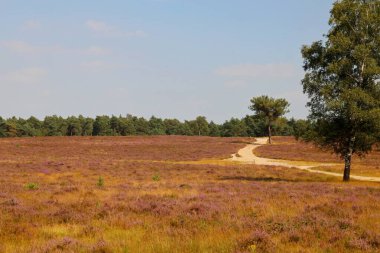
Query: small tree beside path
[(270, 109)]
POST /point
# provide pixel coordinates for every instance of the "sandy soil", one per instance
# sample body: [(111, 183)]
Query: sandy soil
[(246, 155)]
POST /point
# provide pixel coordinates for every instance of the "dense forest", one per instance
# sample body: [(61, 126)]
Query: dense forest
[(132, 125)]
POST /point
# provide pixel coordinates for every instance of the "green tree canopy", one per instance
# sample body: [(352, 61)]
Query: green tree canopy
[(270, 109), (131, 125), (87, 125), (74, 126), (234, 127), (54, 126), (126, 126), (156, 126), (102, 126), (2, 128), (342, 80), (199, 126), (173, 127), (214, 129)]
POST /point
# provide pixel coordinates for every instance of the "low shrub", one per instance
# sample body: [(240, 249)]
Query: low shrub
[(32, 186)]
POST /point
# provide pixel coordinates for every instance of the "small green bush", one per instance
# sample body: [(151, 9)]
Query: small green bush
[(31, 186), (100, 182), (156, 178)]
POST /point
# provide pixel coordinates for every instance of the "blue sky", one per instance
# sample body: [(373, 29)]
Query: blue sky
[(168, 58)]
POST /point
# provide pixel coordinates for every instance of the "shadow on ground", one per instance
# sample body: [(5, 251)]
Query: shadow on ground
[(276, 179), (264, 179)]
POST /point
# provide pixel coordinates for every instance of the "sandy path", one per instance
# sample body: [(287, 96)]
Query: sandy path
[(245, 155)]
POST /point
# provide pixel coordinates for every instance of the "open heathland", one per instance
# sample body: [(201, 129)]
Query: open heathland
[(170, 194), (288, 148)]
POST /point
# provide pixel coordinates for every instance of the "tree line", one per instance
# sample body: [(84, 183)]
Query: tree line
[(132, 125)]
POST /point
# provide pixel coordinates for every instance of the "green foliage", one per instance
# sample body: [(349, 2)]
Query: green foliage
[(188, 128), (102, 126), (54, 126), (199, 126), (126, 126), (2, 127), (87, 125), (100, 182), (269, 109), (114, 124), (74, 126), (342, 80), (33, 127), (301, 129), (32, 186), (141, 126), (283, 126), (214, 129), (12, 127), (234, 127), (156, 126), (156, 178), (132, 125), (173, 127), (256, 126)]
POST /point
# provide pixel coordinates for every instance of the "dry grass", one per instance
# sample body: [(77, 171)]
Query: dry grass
[(146, 206), (289, 149)]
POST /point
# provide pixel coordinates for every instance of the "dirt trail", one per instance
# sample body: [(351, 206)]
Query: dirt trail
[(245, 155)]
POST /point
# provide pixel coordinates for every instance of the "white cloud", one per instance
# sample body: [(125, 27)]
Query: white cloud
[(97, 51), (271, 71), (24, 76), (23, 47), (31, 25), (19, 46), (101, 65), (94, 64), (137, 33), (236, 83), (107, 30), (98, 26)]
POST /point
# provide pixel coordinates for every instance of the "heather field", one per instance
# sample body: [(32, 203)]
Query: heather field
[(289, 149), (175, 194)]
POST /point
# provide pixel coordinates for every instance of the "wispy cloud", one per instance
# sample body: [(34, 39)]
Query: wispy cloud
[(23, 47), (270, 71), (97, 64), (31, 25), (24, 76), (236, 83), (19, 46), (102, 28), (97, 51), (93, 64), (98, 26)]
